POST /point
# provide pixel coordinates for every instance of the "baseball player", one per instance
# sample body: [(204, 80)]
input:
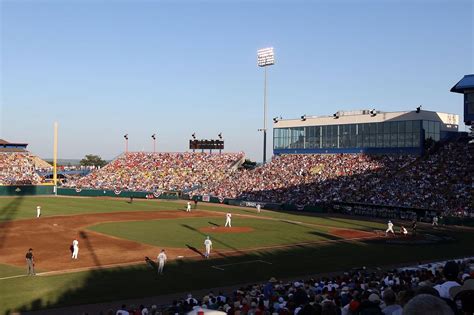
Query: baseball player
[(38, 211), (161, 259), (258, 207), (188, 207), (30, 263), (404, 231), (389, 228), (208, 245), (228, 220), (75, 247), (435, 221)]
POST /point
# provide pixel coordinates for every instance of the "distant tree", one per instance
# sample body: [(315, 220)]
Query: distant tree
[(92, 160)]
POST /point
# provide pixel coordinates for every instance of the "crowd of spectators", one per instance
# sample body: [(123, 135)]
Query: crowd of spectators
[(18, 168), (141, 171), (440, 181), (443, 288)]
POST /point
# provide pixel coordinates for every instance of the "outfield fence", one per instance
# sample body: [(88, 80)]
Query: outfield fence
[(118, 193)]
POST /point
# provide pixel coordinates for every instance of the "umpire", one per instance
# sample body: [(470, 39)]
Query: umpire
[(30, 263)]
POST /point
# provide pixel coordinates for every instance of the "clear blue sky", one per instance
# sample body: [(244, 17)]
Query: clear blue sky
[(106, 68)]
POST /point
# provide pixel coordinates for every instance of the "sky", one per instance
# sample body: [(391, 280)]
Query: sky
[(105, 68)]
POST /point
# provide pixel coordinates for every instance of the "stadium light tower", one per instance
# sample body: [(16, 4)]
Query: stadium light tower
[(265, 58), (126, 142), (153, 136)]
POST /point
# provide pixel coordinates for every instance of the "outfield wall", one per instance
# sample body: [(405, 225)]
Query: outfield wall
[(116, 193), (26, 190)]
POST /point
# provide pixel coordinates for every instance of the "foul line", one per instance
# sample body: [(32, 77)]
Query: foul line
[(218, 267)]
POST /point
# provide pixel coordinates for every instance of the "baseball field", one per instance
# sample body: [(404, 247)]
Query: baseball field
[(115, 236)]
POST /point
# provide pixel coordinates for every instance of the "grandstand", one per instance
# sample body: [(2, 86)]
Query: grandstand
[(140, 171), (18, 166)]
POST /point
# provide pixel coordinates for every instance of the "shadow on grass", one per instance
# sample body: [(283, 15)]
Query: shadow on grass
[(7, 214), (187, 275), (214, 239)]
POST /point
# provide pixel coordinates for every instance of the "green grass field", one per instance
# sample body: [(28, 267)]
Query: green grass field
[(24, 293)]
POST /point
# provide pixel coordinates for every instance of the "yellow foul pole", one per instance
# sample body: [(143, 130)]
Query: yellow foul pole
[(55, 155)]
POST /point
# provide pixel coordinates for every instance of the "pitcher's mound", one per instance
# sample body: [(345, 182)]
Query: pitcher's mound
[(221, 229)]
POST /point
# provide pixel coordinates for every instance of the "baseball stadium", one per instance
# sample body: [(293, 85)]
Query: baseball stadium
[(363, 206), (313, 217)]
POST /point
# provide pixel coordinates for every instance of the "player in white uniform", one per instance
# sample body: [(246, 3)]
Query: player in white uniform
[(208, 245), (389, 228), (404, 231), (75, 247), (258, 207), (38, 211), (188, 207), (161, 261), (228, 220), (435, 221)]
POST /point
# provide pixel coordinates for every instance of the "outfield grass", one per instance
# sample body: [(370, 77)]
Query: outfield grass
[(182, 232)]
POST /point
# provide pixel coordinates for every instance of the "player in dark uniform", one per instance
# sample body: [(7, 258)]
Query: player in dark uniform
[(413, 227)]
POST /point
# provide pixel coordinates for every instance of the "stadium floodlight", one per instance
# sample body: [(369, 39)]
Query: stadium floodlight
[(220, 135), (194, 135), (265, 57)]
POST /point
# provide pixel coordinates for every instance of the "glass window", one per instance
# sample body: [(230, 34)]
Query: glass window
[(425, 125), (394, 127), (386, 127), (431, 126), (416, 126), (401, 127), (408, 126)]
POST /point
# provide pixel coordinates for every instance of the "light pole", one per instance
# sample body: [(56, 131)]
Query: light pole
[(153, 136), (126, 142), (220, 139), (265, 57)]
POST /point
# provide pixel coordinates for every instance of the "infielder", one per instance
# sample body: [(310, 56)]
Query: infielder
[(75, 249), (389, 228), (228, 220), (38, 211), (258, 207), (161, 259), (188, 207), (208, 245)]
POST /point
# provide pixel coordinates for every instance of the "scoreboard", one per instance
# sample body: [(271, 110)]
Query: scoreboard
[(206, 144)]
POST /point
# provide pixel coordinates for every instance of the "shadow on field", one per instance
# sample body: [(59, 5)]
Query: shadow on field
[(194, 249), (214, 239), (188, 275), (83, 235), (7, 214)]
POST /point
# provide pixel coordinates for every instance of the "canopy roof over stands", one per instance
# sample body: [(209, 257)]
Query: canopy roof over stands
[(6, 146), (466, 83)]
